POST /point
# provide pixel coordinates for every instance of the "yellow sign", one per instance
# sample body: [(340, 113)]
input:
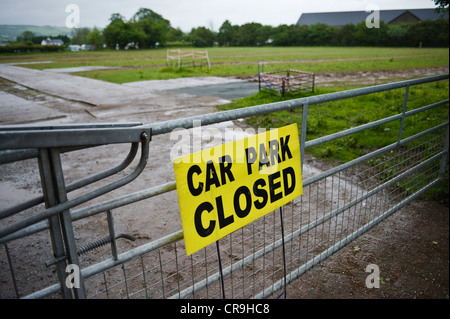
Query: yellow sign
[(226, 187)]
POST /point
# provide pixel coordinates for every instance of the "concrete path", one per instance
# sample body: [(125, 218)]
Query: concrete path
[(61, 83), (13, 109), (72, 87)]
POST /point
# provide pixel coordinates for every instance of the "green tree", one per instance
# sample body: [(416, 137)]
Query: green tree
[(442, 5), (147, 14), (150, 28), (320, 34), (115, 33), (226, 33), (288, 35), (371, 36), (301, 35), (399, 34), (80, 36), (265, 34), (281, 35), (176, 35), (344, 36), (95, 38), (202, 37), (25, 36), (252, 34), (421, 32)]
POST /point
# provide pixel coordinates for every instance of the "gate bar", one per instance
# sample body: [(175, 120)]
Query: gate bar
[(145, 137)]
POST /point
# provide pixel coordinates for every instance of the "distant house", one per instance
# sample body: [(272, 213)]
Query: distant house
[(355, 17), (49, 41), (83, 47), (75, 47), (87, 47)]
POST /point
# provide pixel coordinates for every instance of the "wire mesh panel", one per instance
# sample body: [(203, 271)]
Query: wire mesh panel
[(329, 214), (287, 81)]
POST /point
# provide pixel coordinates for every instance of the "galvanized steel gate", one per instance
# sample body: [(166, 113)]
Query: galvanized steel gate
[(337, 206)]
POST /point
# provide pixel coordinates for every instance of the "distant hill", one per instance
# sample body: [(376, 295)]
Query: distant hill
[(9, 32)]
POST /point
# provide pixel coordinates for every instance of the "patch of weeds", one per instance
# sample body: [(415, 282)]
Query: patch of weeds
[(383, 280), (327, 151)]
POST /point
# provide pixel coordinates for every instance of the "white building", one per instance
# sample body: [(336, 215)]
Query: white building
[(49, 41)]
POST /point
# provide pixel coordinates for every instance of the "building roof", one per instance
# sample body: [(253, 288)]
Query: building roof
[(355, 17)]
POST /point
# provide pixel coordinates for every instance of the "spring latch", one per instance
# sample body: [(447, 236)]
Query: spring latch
[(101, 242), (92, 246)]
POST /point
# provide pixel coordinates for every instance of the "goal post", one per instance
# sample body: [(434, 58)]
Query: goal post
[(188, 56)]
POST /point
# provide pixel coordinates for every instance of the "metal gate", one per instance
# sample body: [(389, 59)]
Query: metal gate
[(337, 206)]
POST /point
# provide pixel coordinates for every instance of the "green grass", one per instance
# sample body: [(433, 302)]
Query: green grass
[(138, 65), (232, 54), (244, 68)]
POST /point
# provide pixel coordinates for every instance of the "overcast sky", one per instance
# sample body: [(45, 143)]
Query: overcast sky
[(187, 14)]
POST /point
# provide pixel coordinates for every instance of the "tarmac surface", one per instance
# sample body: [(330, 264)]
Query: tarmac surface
[(229, 91)]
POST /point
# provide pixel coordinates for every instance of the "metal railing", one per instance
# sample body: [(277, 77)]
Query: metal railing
[(285, 81), (337, 206)]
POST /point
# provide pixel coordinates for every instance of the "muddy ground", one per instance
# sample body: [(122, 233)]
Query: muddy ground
[(410, 247)]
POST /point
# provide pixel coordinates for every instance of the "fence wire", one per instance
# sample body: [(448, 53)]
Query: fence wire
[(311, 224)]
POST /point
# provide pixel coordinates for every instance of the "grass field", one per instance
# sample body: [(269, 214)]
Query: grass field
[(139, 65)]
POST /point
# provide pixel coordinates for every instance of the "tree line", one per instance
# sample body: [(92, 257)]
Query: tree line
[(148, 29), (429, 33)]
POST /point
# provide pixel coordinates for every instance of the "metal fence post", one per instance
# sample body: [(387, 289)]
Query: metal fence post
[(259, 79), (303, 132), (65, 219), (403, 115), (444, 158), (313, 82), (48, 189)]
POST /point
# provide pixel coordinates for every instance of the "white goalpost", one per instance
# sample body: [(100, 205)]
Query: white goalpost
[(189, 56)]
